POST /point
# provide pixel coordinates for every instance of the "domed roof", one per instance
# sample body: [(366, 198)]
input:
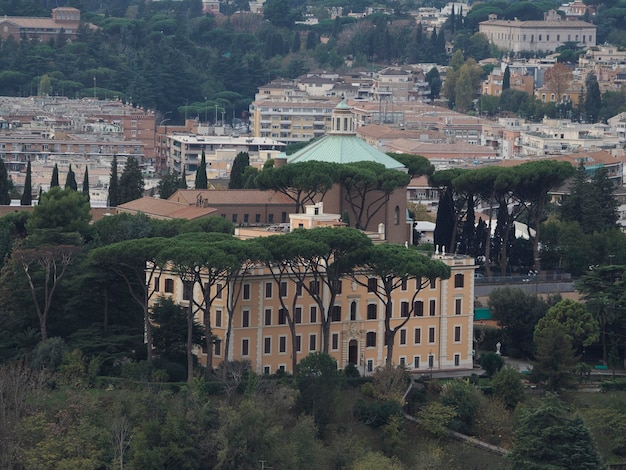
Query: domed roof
[(341, 145)]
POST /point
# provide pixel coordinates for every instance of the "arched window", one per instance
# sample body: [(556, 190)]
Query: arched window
[(353, 311), (396, 215)]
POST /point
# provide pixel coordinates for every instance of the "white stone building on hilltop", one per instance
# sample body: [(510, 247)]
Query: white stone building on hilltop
[(538, 36)]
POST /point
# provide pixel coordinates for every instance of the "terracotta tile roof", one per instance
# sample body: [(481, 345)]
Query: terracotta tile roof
[(161, 208), (221, 197)]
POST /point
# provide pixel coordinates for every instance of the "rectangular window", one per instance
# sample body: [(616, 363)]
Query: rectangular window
[(283, 289), (257, 218), (370, 339), (234, 218), (282, 316), (270, 218), (282, 344), (297, 316), (417, 338), (246, 292), (313, 314), (268, 290), (402, 361), (457, 360), (268, 317), (418, 308), (218, 318), (431, 361), (298, 343), (267, 345), (433, 283), (457, 334), (245, 344), (336, 313), (218, 291), (416, 362), (312, 342), (371, 284), (246, 218), (404, 309), (370, 365), (169, 286), (157, 282), (371, 311), (187, 290), (432, 307), (267, 370), (431, 335), (402, 336), (218, 347), (335, 342), (314, 287), (459, 280), (457, 306), (283, 217), (405, 284), (299, 289), (245, 318)]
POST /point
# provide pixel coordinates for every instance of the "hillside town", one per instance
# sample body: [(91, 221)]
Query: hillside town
[(280, 277)]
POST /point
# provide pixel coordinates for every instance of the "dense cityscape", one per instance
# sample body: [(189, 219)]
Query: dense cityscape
[(300, 235)]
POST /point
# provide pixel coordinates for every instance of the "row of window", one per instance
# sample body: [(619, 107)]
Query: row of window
[(314, 286), (370, 341)]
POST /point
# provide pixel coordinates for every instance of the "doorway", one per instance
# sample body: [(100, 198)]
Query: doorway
[(353, 352)]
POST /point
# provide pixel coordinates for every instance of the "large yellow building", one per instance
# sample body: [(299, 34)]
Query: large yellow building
[(438, 335)]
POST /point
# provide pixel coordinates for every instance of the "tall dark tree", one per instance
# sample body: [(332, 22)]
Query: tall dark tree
[(183, 180), (54, 181), (5, 197), (168, 185), (201, 178), (27, 195), (241, 162), (86, 183), (113, 199), (593, 98), (434, 81), (131, 182), (604, 189), (70, 180), (506, 79)]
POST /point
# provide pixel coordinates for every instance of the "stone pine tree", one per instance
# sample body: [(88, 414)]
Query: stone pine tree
[(86, 183), (70, 180), (5, 197), (27, 195), (131, 182), (201, 178), (242, 160), (506, 79), (114, 197), (54, 181)]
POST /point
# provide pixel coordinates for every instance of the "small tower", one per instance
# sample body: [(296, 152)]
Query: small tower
[(342, 120)]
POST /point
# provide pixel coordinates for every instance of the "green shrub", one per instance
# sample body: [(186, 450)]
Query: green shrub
[(48, 354), (377, 414)]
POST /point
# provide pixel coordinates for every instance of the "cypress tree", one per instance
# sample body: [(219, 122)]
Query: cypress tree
[(5, 197), (55, 177), (114, 196), (27, 195), (201, 178), (506, 79), (131, 182), (242, 160), (86, 183), (70, 180)]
